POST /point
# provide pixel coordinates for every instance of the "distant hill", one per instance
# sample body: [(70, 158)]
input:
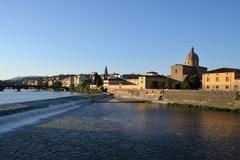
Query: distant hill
[(21, 78)]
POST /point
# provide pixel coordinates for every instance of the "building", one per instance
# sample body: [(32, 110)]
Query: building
[(67, 82), (32, 82), (222, 79), (179, 72), (151, 73), (80, 79), (114, 75), (149, 81)]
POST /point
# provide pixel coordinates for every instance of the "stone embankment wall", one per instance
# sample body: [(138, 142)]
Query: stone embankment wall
[(147, 94), (197, 97), (208, 98)]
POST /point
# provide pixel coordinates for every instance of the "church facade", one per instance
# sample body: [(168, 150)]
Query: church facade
[(179, 72)]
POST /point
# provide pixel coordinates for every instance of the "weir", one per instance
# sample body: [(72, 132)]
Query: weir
[(11, 122)]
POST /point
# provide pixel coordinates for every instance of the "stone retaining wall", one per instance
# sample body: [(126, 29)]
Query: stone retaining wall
[(208, 98), (147, 94), (198, 97)]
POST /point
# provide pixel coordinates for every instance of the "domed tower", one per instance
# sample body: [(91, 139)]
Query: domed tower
[(192, 59)]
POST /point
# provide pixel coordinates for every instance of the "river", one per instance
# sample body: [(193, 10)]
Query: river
[(12, 96), (135, 131)]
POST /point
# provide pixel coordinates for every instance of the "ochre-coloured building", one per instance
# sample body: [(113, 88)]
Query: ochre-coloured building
[(222, 79), (179, 72), (149, 81)]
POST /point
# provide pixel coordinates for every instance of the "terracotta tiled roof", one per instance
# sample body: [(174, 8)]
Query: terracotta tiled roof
[(223, 70)]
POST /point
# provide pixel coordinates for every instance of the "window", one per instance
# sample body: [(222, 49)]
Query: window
[(208, 87), (227, 87), (217, 87), (227, 79), (208, 79), (217, 79), (176, 71)]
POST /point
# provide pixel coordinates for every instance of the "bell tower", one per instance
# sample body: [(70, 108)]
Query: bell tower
[(192, 59)]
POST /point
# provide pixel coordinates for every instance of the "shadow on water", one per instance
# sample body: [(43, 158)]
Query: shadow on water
[(127, 131)]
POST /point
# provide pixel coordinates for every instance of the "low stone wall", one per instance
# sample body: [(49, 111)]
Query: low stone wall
[(197, 97), (147, 94), (208, 98)]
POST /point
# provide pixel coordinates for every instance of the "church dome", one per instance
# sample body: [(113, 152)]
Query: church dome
[(192, 58)]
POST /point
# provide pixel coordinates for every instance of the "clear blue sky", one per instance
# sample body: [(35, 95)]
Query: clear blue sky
[(48, 37)]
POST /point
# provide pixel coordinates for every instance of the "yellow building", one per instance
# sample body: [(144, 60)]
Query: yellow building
[(149, 81), (223, 79)]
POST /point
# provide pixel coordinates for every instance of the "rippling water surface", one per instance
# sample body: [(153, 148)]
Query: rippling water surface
[(12, 96), (127, 131)]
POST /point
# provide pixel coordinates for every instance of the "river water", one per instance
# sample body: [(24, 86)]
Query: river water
[(12, 96), (135, 131)]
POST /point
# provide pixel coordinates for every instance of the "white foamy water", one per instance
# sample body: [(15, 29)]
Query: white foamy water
[(11, 122), (12, 96)]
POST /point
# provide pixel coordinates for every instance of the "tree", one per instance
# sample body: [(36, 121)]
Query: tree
[(72, 88), (57, 85), (168, 83), (154, 85), (99, 81), (192, 82), (45, 85)]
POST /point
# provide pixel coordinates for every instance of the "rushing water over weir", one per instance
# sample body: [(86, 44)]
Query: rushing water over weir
[(10, 122)]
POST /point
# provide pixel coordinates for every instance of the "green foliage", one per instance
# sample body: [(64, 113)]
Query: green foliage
[(44, 86), (192, 82), (72, 88), (97, 80), (154, 85), (176, 85), (168, 84), (57, 86), (83, 88)]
